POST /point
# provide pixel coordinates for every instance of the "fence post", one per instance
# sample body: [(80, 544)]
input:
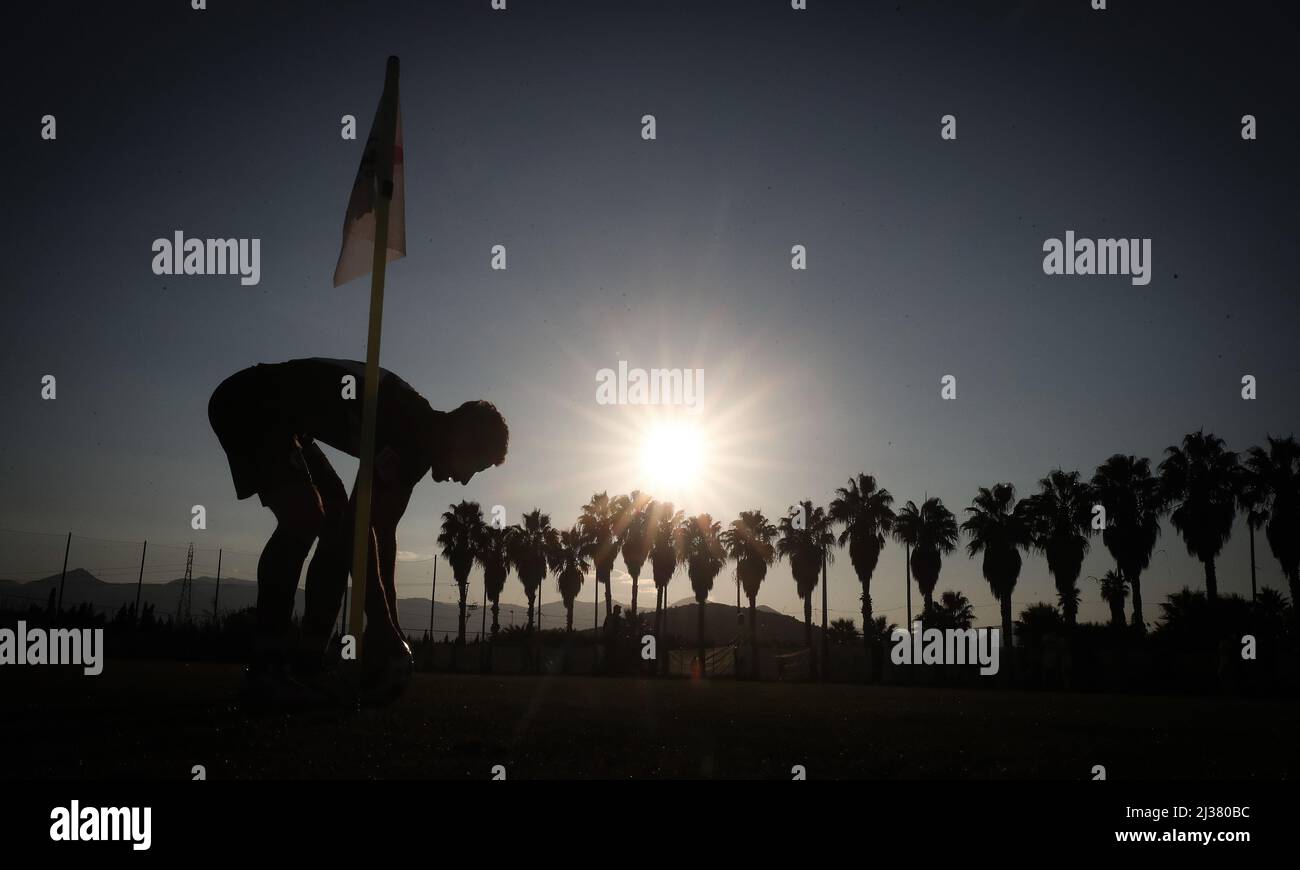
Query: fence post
[(64, 575), (433, 593), (343, 620), (140, 583), (217, 598)]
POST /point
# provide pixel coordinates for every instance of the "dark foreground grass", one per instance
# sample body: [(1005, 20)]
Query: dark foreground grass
[(147, 720)]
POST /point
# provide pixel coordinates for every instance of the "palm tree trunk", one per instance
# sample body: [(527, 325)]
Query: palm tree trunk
[(530, 612), (1069, 606), (659, 628), (664, 651), (496, 627), (568, 635), (635, 581), (1250, 526), (826, 636), (609, 604), (1008, 652), (807, 635), (753, 635), (463, 590), (1007, 626), (700, 607), (736, 658), (868, 625), (907, 581), (1135, 583), (1211, 581)]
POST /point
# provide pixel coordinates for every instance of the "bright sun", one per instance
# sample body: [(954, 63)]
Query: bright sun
[(672, 456)]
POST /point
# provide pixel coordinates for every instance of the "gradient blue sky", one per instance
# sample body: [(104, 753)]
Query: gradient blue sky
[(774, 128)]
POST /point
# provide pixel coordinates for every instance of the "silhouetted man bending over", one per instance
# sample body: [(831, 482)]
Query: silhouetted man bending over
[(268, 419)]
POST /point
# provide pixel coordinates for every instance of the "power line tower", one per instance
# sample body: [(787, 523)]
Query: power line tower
[(187, 589)]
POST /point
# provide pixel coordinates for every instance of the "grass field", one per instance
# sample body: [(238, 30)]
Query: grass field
[(149, 720)]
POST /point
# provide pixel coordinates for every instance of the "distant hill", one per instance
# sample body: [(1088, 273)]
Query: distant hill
[(681, 620), (82, 586), (690, 601), (413, 613)]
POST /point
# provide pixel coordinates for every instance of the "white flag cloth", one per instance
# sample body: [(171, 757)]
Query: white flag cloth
[(357, 255)]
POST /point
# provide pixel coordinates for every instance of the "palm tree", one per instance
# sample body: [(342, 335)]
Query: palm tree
[(748, 543), (462, 526), (931, 532), (998, 529), (665, 556), (1253, 500), (842, 631), (954, 610), (882, 628), (527, 547), (1113, 591), (493, 555), (568, 562), (1203, 477), (1274, 485), (1134, 501), (633, 528), (1272, 610), (1038, 621), (806, 541), (1060, 523), (866, 516), (704, 557), (598, 527)]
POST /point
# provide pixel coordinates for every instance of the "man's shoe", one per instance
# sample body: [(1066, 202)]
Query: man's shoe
[(384, 681)]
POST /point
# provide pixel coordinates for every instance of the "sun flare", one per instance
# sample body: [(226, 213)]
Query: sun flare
[(714, 455), (673, 455)]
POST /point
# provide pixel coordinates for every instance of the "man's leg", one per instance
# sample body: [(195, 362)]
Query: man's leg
[(386, 544), (327, 575), (298, 510), (266, 459), (383, 631), (330, 566)]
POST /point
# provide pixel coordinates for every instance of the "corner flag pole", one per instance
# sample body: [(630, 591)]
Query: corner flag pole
[(361, 538)]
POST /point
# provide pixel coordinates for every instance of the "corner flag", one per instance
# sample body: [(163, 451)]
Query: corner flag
[(376, 195), (359, 224)]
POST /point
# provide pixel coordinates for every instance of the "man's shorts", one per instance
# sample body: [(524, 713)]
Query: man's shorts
[(265, 454)]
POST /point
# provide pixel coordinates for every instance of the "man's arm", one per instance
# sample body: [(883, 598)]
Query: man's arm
[(389, 499)]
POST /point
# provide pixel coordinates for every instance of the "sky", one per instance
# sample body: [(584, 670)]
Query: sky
[(774, 128)]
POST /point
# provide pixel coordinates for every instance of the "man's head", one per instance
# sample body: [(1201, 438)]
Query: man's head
[(475, 437)]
